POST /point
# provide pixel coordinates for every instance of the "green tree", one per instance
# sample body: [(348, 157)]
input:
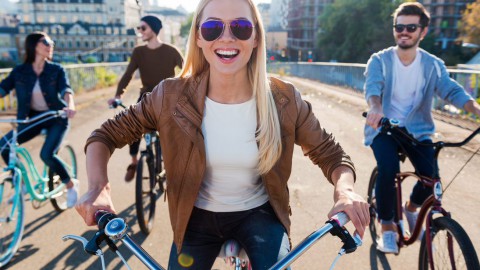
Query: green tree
[(351, 30), (470, 30), (185, 27)]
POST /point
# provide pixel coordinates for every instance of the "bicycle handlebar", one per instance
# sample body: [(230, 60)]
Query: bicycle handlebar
[(390, 124), (59, 113), (117, 102), (113, 228)]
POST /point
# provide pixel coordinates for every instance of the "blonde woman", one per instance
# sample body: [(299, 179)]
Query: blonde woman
[(227, 134)]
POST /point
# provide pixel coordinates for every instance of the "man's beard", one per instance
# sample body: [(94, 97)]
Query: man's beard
[(408, 46)]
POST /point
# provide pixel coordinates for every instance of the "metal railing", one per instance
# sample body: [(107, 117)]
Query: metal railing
[(350, 76), (86, 77), (83, 77)]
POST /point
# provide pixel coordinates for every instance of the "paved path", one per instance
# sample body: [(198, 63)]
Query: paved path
[(339, 112)]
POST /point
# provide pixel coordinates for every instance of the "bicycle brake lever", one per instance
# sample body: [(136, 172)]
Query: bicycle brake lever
[(84, 242), (75, 237), (349, 243)]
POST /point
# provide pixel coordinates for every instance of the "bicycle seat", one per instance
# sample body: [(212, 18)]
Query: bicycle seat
[(231, 248)]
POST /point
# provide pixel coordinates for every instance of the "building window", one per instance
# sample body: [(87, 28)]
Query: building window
[(40, 19), (63, 19), (108, 31), (21, 29), (69, 44), (87, 45), (52, 19), (93, 31), (78, 44)]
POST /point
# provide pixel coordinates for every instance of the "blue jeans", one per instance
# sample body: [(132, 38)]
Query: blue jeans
[(258, 231), (56, 129), (386, 148)]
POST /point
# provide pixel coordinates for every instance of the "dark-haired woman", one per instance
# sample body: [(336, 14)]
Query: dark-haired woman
[(41, 86)]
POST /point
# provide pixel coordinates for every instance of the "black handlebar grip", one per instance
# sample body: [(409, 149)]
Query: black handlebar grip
[(102, 217), (364, 114)]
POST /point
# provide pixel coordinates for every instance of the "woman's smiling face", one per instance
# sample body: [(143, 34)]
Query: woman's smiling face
[(227, 54)]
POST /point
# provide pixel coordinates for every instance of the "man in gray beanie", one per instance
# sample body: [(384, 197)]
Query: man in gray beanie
[(156, 61)]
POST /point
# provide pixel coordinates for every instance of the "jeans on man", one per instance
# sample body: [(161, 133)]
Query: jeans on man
[(385, 148)]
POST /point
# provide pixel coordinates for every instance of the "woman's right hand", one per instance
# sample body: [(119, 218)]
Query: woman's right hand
[(92, 201)]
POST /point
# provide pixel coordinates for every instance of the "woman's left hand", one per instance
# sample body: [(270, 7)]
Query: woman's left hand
[(70, 113), (356, 208)]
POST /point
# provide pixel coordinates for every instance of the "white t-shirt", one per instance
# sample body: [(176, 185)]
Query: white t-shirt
[(408, 82), (231, 182), (38, 102)]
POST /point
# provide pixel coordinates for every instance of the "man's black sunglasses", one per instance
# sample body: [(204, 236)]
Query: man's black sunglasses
[(410, 27), (142, 27)]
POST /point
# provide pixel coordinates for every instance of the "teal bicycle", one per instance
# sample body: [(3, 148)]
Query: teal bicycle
[(21, 178)]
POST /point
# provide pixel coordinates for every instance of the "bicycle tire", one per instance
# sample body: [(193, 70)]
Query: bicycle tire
[(442, 227), (145, 194), (374, 225), (69, 160), (10, 239)]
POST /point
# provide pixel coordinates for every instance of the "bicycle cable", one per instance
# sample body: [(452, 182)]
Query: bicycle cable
[(340, 253), (461, 169)]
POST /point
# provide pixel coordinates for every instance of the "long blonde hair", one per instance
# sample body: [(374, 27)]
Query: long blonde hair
[(268, 133)]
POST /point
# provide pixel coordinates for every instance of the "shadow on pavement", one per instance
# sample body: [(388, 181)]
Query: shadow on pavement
[(26, 251), (76, 256), (378, 257)]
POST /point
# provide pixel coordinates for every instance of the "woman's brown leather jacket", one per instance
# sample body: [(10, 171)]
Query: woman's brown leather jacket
[(175, 109)]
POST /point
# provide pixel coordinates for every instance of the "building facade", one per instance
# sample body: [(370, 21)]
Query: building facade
[(445, 18), (303, 28), (98, 30)]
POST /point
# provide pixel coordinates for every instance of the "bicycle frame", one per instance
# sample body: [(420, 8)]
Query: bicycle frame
[(151, 138), (39, 192), (433, 204)]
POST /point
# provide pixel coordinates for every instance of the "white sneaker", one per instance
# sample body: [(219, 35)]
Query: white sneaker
[(388, 242), (72, 194), (412, 220)]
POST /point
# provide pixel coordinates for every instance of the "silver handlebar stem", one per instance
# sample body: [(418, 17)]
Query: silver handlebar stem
[(141, 254)]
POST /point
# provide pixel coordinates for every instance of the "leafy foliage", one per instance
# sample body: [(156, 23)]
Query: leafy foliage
[(470, 30), (351, 30), (185, 27)]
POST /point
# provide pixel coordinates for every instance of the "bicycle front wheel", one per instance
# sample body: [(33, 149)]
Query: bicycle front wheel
[(145, 193), (374, 226), (451, 247), (11, 219), (69, 160)]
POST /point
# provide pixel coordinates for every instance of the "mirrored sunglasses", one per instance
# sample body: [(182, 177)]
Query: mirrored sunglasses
[(410, 27), (213, 29), (47, 42)]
